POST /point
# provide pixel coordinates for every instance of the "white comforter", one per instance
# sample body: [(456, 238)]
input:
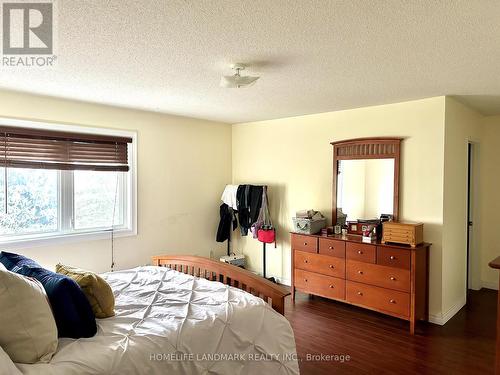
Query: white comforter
[(170, 323)]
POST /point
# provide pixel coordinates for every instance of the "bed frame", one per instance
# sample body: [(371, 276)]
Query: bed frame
[(228, 274)]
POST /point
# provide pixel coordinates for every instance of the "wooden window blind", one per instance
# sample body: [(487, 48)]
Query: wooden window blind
[(47, 149)]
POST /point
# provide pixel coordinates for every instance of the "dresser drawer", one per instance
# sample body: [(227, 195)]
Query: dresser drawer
[(386, 300), (314, 283), (304, 243), (334, 248), (323, 264), (387, 256), (374, 274), (399, 237), (403, 230), (361, 252)]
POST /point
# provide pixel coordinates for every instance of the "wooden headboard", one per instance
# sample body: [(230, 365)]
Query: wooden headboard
[(228, 274)]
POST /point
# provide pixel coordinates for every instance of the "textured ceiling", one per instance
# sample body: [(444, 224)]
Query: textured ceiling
[(313, 56)]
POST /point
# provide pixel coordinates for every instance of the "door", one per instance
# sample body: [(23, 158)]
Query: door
[(472, 276), (470, 223)]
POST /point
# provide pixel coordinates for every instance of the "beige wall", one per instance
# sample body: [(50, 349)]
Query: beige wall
[(293, 156), (462, 125), (183, 165), (489, 198)]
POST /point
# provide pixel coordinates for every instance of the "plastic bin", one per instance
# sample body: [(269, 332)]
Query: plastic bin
[(308, 226)]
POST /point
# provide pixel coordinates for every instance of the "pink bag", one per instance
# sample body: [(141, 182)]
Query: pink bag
[(266, 235)]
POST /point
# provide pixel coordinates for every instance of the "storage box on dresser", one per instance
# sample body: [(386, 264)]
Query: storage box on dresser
[(403, 233), (390, 279)]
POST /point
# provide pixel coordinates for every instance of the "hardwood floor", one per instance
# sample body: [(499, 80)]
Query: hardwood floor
[(377, 344)]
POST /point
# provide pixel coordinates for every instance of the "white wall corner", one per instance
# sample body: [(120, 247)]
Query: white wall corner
[(489, 285), (279, 279), (442, 318)]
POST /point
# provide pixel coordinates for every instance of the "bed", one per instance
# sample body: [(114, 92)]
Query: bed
[(171, 321)]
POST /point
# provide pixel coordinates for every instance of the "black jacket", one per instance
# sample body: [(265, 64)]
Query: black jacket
[(249, 201), (227, 216)]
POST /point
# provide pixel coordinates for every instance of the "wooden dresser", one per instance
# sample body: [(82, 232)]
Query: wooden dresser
[(390, 279)]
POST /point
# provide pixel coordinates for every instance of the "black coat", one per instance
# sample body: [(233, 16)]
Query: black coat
[(227, 216), (249, 202)]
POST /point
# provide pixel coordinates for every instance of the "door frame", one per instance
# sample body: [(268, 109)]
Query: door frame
[(473, 256)]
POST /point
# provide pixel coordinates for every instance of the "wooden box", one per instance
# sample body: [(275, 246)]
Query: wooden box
[(403, 233)]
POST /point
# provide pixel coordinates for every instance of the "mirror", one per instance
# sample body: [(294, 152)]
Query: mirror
[(365, 189), (366, 179)]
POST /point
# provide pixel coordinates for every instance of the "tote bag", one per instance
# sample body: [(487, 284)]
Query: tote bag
[(266, 233)]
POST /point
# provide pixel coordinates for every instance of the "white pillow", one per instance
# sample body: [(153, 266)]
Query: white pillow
[(6, 364), (28, 331), (2, 267)]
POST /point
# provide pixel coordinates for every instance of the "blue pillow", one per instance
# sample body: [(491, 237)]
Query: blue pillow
[(72, 311), (14, 262)]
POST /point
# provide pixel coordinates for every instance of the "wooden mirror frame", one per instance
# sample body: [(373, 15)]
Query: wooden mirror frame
[(367, 148)]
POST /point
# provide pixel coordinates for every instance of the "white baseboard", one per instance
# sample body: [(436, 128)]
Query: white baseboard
[(282, 280), (279, 279), (489, 285), (441, 319)]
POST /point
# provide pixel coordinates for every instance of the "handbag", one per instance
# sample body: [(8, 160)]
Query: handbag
[(266, 233)]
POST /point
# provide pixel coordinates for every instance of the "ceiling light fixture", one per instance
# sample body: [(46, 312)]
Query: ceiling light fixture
[(237, 80)]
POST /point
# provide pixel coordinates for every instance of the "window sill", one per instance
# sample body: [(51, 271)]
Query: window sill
[(50, 239)]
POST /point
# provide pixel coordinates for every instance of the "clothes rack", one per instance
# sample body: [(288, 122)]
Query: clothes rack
[(264, 264), (232, 197), (229, 243)]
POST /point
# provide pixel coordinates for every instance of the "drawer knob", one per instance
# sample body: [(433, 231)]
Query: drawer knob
[(331, 286), (330, 247), (392, 301), (305, 243), (305, 280), (392, 257), (360, 252), (360, 294), (360, 272), (393, 278), (305, 260), (331, 266)]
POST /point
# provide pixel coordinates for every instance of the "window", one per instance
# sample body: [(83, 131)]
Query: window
[(98, 199), (39, 204), (32, 196)]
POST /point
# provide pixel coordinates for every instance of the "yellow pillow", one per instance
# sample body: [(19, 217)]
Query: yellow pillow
[(95, 288)]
